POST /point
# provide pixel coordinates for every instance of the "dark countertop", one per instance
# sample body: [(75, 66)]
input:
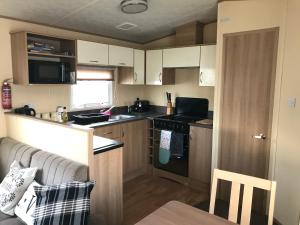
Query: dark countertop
[(137, 116), (101, 144), (207, 123)]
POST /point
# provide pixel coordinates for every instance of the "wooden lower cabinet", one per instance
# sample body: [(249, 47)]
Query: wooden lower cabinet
[(107, 195), (110, 132), (200, 158), (134, 136)]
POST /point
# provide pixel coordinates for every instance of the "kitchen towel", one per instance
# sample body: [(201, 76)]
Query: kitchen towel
[(164, 147), (177, 145)]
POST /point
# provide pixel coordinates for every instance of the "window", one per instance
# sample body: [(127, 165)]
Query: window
[(93, 88)]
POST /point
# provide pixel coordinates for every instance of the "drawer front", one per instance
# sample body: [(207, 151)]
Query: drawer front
[(111, 132)]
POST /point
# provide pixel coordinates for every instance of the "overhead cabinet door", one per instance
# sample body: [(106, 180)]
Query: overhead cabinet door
[(120, 56), (207, 66), (92, 53), (154, 67), (181, 57), (139, 67)]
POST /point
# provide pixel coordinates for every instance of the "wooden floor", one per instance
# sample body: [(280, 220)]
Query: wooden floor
[(145, 194)]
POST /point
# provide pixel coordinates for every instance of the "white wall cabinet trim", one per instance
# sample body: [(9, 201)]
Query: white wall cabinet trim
[(181, 57), (207, 70), (120, 56), (92, 53)]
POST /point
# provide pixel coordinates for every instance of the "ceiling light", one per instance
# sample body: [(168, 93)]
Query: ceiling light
[(134, 6)]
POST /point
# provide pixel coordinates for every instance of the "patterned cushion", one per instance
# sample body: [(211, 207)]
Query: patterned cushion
[(26, 206), (14, 186), (63, 204)]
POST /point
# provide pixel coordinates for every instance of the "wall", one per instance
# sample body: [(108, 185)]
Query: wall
[(288, 143), (237, 16), (186, 79), (71, 143), (45, 98)]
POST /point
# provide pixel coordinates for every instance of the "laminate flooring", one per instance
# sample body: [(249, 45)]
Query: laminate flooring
[(145, 194)]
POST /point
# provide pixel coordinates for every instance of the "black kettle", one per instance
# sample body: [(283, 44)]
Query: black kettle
[(25, 110)]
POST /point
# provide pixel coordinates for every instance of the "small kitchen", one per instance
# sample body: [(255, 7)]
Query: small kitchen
[(160, 89)]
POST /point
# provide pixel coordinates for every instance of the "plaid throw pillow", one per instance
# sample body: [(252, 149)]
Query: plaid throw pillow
[(65, 204)]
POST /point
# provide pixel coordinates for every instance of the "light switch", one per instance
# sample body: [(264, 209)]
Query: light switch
[(292, 102)]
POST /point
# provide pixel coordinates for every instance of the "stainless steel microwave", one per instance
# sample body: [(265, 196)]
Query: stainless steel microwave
[(48, 72)]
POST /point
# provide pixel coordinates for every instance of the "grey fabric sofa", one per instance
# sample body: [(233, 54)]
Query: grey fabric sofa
[(53, 169)]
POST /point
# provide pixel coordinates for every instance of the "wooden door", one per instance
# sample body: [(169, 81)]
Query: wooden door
[(249, 64), (134, 136)]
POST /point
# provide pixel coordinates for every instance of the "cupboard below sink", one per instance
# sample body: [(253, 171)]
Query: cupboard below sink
[(134, 136)]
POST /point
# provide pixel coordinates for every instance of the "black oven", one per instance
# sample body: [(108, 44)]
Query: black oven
[(48, 72)]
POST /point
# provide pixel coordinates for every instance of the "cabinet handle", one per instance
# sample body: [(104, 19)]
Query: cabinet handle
[(135, 76), (123, 133), (201, 76), (94, 61), (160, 77), (108, 133), (123, 64)]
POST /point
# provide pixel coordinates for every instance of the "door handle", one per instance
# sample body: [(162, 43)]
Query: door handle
[(260, 136)]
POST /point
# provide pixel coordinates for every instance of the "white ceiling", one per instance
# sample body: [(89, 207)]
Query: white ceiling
[(102, 16)]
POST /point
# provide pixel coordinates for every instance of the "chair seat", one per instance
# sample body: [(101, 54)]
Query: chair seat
[(222, 209)]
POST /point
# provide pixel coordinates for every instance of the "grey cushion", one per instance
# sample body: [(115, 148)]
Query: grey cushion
[(54, 169), (11, 150), (8, 220)]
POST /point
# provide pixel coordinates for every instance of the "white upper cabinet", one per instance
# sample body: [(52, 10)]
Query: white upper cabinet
[(139, 67), (154, 65), (92, 53), (120, 56), (181, 57), (207, 66)]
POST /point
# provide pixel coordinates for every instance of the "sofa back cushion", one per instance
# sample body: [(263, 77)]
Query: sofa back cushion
[(53, 169), (11, 150)]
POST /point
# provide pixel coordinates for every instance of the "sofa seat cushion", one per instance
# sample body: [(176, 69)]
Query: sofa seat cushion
[(11, 150), (9, 220), (12, 221), (53, 169)]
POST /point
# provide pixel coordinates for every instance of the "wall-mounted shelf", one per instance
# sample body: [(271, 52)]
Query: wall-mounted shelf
[(24, 49)]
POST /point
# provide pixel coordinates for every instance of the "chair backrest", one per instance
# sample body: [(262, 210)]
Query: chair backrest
[(249, 183)]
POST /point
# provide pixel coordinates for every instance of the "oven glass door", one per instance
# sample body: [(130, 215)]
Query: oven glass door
[(178, 166)]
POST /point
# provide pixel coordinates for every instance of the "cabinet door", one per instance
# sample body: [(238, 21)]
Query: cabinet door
[(120, 56), (154, 60), (134, 137), (200, 157), (139, 67), (92, 53), (111, 132), (181, 57), (207, 66)]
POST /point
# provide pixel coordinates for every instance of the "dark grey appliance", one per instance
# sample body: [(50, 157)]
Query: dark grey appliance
[(45, 72), (187, 110), (140, 106)]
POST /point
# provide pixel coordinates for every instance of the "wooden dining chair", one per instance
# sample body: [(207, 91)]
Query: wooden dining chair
[(249, 183)]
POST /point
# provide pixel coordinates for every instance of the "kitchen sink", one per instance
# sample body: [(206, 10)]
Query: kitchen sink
[(120, 117)]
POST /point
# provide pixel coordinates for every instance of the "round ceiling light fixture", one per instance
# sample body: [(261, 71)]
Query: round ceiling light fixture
[(134, 6)]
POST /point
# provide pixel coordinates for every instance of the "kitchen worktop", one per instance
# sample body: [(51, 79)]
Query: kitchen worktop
[(136, 116), (101, 144)]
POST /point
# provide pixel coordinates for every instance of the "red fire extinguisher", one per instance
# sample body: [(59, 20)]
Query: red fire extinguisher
[(6, 95)]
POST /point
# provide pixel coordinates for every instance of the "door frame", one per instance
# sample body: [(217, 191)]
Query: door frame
[(276, 97)]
